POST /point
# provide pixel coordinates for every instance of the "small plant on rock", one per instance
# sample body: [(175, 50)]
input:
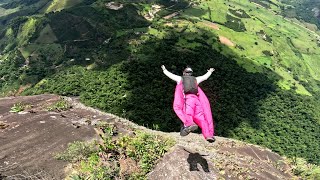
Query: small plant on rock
[(127, 157), (19, 107), (305, 170), (76, 151), (61, 105)]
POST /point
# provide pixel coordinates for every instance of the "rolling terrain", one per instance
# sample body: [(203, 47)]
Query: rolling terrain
[(265, 89)]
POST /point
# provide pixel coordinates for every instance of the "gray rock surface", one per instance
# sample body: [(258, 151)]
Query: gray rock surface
[(193, 158), (29, 140), (182, 163)]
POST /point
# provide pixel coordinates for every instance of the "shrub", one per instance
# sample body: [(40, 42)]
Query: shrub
[(19, 107), (305, 170), (76, 151), (60, 105), (140, 152)]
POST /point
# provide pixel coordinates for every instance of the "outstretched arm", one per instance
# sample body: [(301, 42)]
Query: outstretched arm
[(205, 76), (171, 75)]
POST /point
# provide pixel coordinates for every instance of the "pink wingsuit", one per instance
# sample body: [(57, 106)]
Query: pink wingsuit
[(199, 114)]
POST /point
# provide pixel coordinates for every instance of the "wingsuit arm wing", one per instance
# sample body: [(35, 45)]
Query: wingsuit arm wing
[(204, 77), (171, 75)]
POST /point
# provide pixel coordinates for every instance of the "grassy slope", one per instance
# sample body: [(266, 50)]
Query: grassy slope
[(302, 10), (4, 12), (287, 63), (57, 5)]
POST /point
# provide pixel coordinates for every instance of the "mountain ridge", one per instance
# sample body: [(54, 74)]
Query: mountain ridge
[(264, 91), (226, 158)]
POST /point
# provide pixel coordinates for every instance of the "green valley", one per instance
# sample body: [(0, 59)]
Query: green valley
[(265, 89)]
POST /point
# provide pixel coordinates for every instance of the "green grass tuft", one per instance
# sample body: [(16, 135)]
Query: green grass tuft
[(61, 105), (19, 107)]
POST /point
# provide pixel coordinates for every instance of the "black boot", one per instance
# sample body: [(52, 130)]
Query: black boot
[(186, 130), (211, 139)]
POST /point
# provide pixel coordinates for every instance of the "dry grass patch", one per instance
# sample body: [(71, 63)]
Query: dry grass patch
[(211, 25), (226, 41)]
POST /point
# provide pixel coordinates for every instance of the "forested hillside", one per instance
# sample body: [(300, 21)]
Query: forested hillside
[(265, 89), (306, 10)]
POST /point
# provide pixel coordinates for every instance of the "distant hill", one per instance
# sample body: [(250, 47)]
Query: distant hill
[(265, 89), (306, 10)]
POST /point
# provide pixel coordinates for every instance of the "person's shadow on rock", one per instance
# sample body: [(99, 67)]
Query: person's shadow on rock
[(194, 159)]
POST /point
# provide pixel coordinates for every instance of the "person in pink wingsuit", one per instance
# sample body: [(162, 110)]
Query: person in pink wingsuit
[(191, 104)]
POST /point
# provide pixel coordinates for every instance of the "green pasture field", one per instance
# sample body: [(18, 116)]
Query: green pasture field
[(19, 35), (8, 35), (25, 7), (4, 12), (26, 30), (57, 5), (313, 64), (155, 32), (3, 57), (289, 40)]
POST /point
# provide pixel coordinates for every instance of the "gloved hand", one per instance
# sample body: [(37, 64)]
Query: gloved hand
[(211, 69), (163, 67)]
